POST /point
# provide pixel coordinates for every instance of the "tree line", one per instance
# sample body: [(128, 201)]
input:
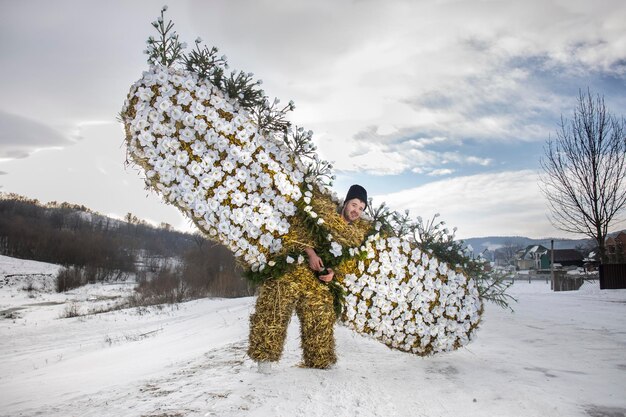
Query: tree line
[(94, 248)]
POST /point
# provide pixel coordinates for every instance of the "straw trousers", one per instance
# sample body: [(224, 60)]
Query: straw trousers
[(301, 290)]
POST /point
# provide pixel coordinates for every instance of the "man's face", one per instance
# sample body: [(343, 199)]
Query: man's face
[(352, 209)]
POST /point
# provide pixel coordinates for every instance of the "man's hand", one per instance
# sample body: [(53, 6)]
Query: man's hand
[(315, 262), (328, 277)]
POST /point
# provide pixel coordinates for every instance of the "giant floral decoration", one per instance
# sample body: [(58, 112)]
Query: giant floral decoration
[(215, 147)]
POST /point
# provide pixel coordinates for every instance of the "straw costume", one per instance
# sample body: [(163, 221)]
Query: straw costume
[(302, 290)]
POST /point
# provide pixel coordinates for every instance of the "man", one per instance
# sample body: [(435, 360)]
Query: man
[(353, 206), (303, 290)]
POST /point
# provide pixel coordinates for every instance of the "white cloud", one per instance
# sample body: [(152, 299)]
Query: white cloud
[(440, 172), (20, 136), (402, 151), (505, 203)]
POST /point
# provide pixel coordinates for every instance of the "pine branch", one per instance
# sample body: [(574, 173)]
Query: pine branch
[(166, 49)]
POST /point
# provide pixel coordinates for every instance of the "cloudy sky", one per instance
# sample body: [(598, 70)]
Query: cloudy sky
[(434, 106)]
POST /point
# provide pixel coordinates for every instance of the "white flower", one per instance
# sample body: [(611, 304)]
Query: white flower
[(202, 93), (162, 77), (176, 79), (200, 208), (335, 249), (277, 245), (245, 158), (166, 177), (198, 147), (262, 157), (155, 116), (224, 227), (187, 134), (300, 259), (183, 98), (189, 83), (217, 101), (289, 260), (144, 94), (231, 183), (222, 144), (265, 209), (200, 126), (216, 174), (266, 240), (238, 198), (271, 224), (182, 158), (186, 185), (164, 104), (145, 138), (189, 120), (211, 114), (221, 193), (242, 175), (265, 180), (256, 220), (289, 209), (283, 227)]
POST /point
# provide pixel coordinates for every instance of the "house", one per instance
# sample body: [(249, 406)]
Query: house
[(566, 257), (532, 257), (616, 248), (539, 257)]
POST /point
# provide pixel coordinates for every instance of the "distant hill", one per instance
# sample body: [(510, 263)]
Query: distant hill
[(495, 242), (492, 243)]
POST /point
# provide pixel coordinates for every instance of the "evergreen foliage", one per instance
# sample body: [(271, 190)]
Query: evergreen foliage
[(166, 49)]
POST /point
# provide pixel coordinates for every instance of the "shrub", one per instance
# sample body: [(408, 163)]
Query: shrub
[(69, 278), (71, 310)]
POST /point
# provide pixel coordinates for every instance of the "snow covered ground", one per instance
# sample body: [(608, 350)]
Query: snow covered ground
[(558, 354)]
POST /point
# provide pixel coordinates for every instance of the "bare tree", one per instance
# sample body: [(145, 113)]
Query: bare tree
[(509, 251), (584, 169)]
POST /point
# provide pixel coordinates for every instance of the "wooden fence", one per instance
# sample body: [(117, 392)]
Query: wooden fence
[(562, 281), (612, 276)]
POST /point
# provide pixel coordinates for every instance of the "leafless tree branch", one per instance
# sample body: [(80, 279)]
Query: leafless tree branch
[(584, 170)]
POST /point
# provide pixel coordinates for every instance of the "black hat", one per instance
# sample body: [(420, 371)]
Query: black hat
[(356, 191)]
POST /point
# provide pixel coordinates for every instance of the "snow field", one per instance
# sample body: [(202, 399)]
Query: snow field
[(558, 354)]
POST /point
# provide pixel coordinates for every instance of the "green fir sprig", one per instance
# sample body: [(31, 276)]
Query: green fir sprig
[(272, 116), (166, 49), (205, 62), (245, 89)]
